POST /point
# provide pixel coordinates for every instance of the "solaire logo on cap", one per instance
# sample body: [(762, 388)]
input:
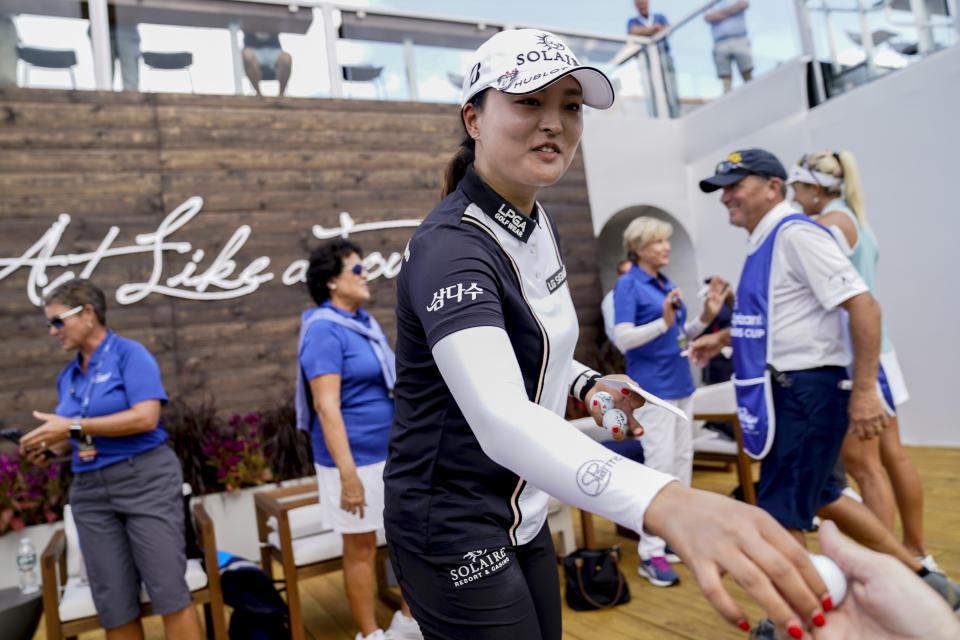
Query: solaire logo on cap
[(545, 40)]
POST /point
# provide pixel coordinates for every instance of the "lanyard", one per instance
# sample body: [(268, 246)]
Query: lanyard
[(85, 403)]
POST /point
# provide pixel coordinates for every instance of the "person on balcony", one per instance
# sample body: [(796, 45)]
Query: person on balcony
[(126, 494), (827, 186), (263, 57), (728, 26), (344, 389), (643, 24), (486, 332)]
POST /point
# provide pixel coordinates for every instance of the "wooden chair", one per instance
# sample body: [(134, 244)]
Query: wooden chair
[(718, 403), (292, 532), (68, 603)]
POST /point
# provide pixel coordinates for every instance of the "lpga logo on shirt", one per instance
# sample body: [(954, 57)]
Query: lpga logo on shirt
[(453, 292), (512, 221), (481, 564)]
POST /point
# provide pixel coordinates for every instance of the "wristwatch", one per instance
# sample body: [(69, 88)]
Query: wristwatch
[(76, 431)]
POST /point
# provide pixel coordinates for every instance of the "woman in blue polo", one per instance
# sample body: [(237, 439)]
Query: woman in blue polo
[(126, 492), (651, 328), (344, 399)]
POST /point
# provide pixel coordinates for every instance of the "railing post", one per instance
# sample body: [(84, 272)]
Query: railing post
[(413, 94), (330, 38), (806, 40), (100, 38), (236, 56), (866, 39), (656, 80), (924, 32)]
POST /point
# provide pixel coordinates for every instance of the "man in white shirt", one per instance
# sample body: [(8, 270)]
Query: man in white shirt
[(800, 305)]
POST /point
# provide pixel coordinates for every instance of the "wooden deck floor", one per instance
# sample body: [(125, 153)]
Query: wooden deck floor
[(652, 613)]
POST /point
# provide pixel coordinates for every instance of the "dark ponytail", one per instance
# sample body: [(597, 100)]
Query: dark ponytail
[(457, 167)]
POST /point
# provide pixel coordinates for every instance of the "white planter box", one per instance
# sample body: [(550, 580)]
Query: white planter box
[(235, 520), (39, 534)]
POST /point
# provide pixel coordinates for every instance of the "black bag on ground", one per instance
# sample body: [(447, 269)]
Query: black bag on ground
[(594, 579), (259, 613)]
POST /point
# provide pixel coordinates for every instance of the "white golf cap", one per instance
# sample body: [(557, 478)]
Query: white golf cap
[(521, 61)]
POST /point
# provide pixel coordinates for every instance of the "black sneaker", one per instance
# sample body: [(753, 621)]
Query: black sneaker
[(763, 631)]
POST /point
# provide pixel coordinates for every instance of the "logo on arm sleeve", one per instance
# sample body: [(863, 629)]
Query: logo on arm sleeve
[(453, 293)]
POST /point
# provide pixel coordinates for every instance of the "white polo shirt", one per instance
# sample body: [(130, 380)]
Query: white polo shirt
[(809, 278)]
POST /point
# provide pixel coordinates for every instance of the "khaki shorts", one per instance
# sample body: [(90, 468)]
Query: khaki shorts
[(730, 49)]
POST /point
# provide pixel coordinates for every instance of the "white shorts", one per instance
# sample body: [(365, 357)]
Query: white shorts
[(898, 387), (328, 486)]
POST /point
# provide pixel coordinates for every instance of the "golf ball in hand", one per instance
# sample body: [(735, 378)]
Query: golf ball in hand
[(615, 420), (832, 577), (603, 401)]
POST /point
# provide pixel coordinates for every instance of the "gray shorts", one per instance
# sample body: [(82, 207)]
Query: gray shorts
[(729, 49), (129, 519)]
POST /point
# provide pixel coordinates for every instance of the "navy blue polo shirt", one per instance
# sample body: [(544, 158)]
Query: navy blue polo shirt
[(475, 261), (122, 373), (365, 403), (657, 366)]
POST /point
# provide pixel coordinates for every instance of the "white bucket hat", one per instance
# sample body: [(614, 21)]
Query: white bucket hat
[(521, 61)]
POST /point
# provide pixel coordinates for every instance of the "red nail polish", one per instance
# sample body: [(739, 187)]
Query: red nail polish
[(625, 392), (819, 620), (827, 604), (743, 624), (795, 631), (616, 429)]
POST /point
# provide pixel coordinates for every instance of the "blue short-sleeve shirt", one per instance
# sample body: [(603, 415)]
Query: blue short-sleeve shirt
[(122, 373), (657, 365), (733, 27), (365, 403), (645, 21)]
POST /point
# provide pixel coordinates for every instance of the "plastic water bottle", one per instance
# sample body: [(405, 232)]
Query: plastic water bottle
[(27, 565)]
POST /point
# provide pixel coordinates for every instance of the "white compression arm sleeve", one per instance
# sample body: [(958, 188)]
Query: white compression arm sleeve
[(627, 335), (480, 369)]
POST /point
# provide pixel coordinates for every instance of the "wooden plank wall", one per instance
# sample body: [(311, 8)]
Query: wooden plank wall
[(277, 165)]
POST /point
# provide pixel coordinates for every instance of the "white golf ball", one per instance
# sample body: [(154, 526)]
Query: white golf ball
[(602, 400), (615, 420), (832, 577)]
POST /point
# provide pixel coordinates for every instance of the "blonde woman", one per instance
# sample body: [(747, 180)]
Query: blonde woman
[(827, 186), (651, 329)]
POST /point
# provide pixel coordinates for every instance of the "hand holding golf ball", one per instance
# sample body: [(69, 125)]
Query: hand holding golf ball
[(612, 418), (832, 577)]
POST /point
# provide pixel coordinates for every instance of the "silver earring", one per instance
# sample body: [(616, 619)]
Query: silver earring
[(816, 199), (333, 287)]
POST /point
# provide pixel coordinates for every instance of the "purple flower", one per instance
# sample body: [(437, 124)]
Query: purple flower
[(233, 461), (221, 473)]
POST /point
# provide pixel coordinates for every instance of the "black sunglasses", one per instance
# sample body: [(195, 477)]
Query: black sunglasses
[(57, 321), (357, 269)]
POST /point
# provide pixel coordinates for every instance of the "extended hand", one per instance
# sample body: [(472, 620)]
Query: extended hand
[(669, 311), (54, 429), (704, 348), (716, 294), (885, 600), (716, 535), (626, 402)]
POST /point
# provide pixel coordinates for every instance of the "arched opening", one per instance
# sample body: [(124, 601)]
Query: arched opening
[(682, 270)]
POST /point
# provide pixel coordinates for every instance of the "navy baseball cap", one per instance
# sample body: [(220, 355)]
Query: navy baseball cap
[(740, 164)]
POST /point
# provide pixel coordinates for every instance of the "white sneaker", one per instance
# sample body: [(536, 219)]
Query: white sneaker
[(930, 564), (853, 495), (403, 628), (376, 635)]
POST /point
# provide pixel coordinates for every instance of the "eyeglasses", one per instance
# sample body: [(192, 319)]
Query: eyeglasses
[(57, 321), (357, 269)]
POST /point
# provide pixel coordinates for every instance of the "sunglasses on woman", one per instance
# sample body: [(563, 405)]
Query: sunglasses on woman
[(357, 269), (57, 321)]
